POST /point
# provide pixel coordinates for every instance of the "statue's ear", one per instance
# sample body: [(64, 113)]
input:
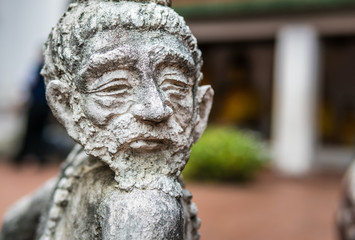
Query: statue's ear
[(58, 98), (204, 97)]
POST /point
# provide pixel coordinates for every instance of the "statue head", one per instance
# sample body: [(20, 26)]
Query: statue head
[(123, 78)]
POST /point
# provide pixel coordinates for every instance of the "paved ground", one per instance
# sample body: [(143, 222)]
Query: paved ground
[(271, 208)]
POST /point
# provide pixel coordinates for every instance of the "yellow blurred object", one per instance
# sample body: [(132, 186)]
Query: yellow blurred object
[(240, 106)]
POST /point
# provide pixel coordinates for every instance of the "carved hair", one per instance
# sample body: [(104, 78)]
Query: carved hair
[(83, 19)]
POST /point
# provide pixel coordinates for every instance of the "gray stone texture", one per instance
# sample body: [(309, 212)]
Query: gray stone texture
[(123, 79)]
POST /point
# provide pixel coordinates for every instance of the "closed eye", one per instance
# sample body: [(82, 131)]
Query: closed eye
[(174, 83), (175, 88), (114, 87)]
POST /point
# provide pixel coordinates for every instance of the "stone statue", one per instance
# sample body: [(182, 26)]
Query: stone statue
[(123, 79), (346, 213)]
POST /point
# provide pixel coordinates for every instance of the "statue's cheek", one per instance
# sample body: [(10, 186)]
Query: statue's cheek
[(183, 109), (100, 110), (184, 116)]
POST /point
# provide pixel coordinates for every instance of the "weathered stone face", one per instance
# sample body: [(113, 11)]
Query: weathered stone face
[(138, 86), (133, 99), (137, 94), (155, 57)]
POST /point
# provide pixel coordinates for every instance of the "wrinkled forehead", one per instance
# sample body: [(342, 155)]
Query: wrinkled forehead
[(118, 44)]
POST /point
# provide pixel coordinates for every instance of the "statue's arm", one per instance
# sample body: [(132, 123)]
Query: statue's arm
[(22, 219)]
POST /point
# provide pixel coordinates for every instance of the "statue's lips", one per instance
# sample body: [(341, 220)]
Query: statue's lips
[(148, 144)]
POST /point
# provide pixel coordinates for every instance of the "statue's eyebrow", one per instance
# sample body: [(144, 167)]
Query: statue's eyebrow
[(100, 63), (107, 61), (163, 54)]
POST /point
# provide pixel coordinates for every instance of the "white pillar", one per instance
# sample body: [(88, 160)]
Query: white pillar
[(295, 96)]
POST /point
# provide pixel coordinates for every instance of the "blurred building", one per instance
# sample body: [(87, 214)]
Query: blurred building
[(284, 68)]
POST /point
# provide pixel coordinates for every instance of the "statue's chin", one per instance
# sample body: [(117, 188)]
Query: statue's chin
[(144, 166), (152, 163)]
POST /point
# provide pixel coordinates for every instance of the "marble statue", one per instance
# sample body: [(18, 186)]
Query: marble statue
[(123, 79)]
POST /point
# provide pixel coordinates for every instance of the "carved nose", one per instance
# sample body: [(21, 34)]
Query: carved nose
[(152, 108)]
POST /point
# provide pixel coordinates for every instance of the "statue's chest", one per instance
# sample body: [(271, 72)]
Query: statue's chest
[(80, 219), (96, 209)]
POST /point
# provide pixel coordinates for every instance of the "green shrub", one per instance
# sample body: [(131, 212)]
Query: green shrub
[(226, 154)]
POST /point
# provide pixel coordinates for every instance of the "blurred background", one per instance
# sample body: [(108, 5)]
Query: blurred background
[(282, 127)]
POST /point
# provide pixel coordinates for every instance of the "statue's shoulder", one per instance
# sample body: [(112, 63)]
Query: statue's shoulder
[(83, 183)]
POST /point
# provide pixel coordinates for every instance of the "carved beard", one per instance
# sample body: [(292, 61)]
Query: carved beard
[(143, 170)]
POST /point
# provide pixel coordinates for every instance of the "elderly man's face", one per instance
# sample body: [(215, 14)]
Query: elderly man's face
[(139, 88), (135, 105)]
